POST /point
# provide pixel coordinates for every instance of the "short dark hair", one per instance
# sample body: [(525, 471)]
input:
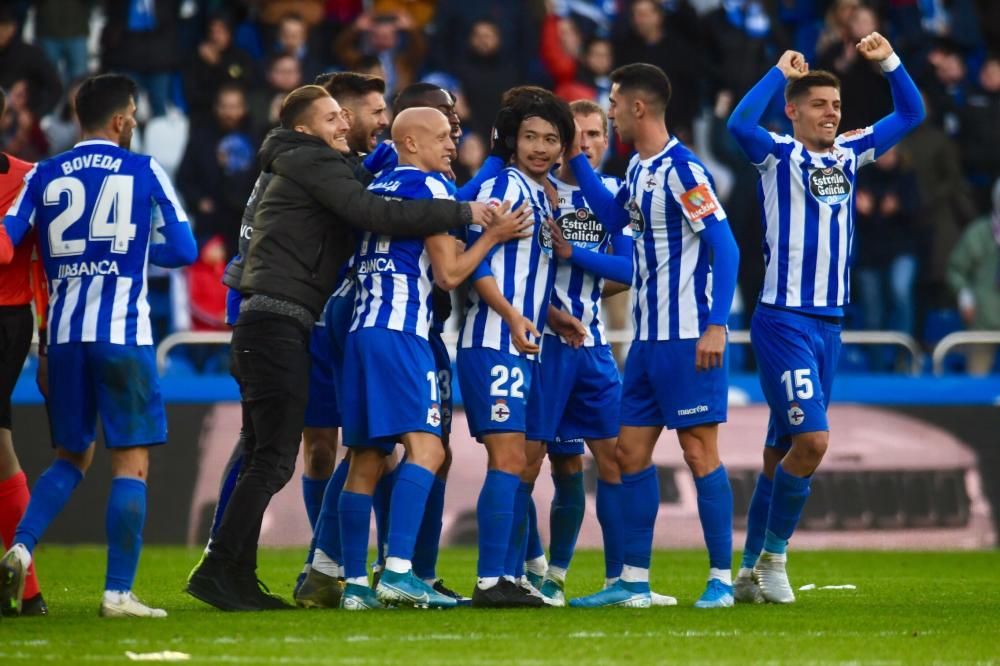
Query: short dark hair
[(814, 79), (295, 104), (414, 95), (345, 86), (102, 96), (649, 79), (533, 102)]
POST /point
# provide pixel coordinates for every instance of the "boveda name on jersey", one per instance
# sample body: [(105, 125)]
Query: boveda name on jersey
[(582, 229), (829, 185)]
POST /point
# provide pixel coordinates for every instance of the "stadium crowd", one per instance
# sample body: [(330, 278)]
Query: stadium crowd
[(213, 73)]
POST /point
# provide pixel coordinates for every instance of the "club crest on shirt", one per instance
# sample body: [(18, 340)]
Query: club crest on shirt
[(829, 185), (637, 223), (650, 183), (499, 412), (582, 229), (795, 414)]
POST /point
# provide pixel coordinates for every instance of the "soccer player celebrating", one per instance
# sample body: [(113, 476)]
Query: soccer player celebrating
[(685, 264), (92, 207), (388, 360), (807, 195), (497, 357)]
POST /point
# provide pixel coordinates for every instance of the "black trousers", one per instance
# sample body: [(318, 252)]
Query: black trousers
[(16, 328), (269, 358)]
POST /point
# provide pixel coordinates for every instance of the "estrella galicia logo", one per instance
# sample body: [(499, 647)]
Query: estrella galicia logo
[(829, 185), (544, 237), (582, 229), (637, 223)]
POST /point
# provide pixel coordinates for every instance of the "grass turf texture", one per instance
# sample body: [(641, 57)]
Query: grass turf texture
[(908, 608)]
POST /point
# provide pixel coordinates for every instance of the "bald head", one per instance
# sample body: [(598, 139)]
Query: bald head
[(423, 139)]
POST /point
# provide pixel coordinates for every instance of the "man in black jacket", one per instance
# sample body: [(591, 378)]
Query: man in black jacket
[(302, 236)]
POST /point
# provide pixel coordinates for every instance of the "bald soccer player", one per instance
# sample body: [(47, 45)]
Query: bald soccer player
[(389, 332)]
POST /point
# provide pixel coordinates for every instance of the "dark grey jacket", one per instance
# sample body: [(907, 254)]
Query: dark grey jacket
[(303, 230)]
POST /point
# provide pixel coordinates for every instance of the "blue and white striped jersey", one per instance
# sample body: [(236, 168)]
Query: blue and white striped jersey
[(671, 198), (93, 207), (808, 204), (577, 290), (523, 268), (394, 273)]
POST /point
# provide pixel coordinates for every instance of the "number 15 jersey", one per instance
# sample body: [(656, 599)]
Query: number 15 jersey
[(93, 209)]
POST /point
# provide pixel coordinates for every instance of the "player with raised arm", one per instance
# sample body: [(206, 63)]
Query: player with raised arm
[(685, 264), (497, 356), (389, 361), (807, 195), (92, 208)]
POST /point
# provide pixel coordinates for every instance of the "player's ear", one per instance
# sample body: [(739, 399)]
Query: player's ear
[(791, 110)]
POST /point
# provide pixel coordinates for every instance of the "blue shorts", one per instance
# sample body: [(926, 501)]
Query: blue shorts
[(321, 410), (565, 447), (502, 392), (233, 300), (796, 358), (337, 316), (662, 386), (442, 361), (582, 397), (390, 388), (119, 382)]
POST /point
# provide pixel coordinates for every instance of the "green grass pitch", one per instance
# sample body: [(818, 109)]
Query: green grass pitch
[(907, 608)]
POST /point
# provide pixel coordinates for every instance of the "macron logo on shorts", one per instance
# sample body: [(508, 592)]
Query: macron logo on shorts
[(700, 409)]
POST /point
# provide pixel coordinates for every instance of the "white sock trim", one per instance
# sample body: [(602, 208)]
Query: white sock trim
[(556, 573), (632, 574), (744, 572), (325, 565), (398, 565), (724, 575), (537, 566), (21, 553), (487, 582)]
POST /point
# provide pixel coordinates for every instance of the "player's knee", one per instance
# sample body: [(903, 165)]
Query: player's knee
[(428, 457), (629, 460), (512, 461), (565, 465), (80, 460), (319, 459), (445, 464), (810, 447)]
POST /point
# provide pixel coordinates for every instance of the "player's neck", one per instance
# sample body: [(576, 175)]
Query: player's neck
[(651, 140), (100, 135), (405, 161), (565, 173)]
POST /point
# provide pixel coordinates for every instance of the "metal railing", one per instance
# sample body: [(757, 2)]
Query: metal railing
[(188, 338), (958, 339)]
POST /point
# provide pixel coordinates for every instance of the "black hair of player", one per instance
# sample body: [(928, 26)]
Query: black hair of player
[(345, 86), (532, 102), (101, 97), (818, 78), (647, 79), (414, 95)]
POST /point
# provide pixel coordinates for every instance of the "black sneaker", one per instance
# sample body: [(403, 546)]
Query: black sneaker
[(214, 583), (34, 606), (256, 593), (504, 594), (440, 588)]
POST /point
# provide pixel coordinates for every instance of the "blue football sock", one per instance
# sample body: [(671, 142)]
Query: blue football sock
[(312, 496), (125, 517), (425, 553), (380, 504), (760, 507), (406, 509), (355, 518), (48, 497), (326, 536), (715, 510), (641, 494), (568, 505), (534, 548), (518, 531), (787, 501), (495, 515), (229, 478), (609, 515)]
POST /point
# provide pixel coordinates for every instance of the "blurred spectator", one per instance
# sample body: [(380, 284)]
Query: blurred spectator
[(885, 261), (946, 84), (207, 293), (219, 168), (140, 39), (472, 153), (802, 20), (293, 39), (391, 38), (669, 41), (22, 134), (420, 11), (273, 11), (62, 28), (370, 66), (594, 18), (863, 88), (989, 19), (974, 276), (946, 204), (455, 20), (283, 75), (742, 43), (836, 25), (579, 70), (61, 126), (26, 63), (484, 74), (979, 132), (216, 61)]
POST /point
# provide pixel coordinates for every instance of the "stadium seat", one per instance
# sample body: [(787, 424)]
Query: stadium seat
[(165, 138)]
